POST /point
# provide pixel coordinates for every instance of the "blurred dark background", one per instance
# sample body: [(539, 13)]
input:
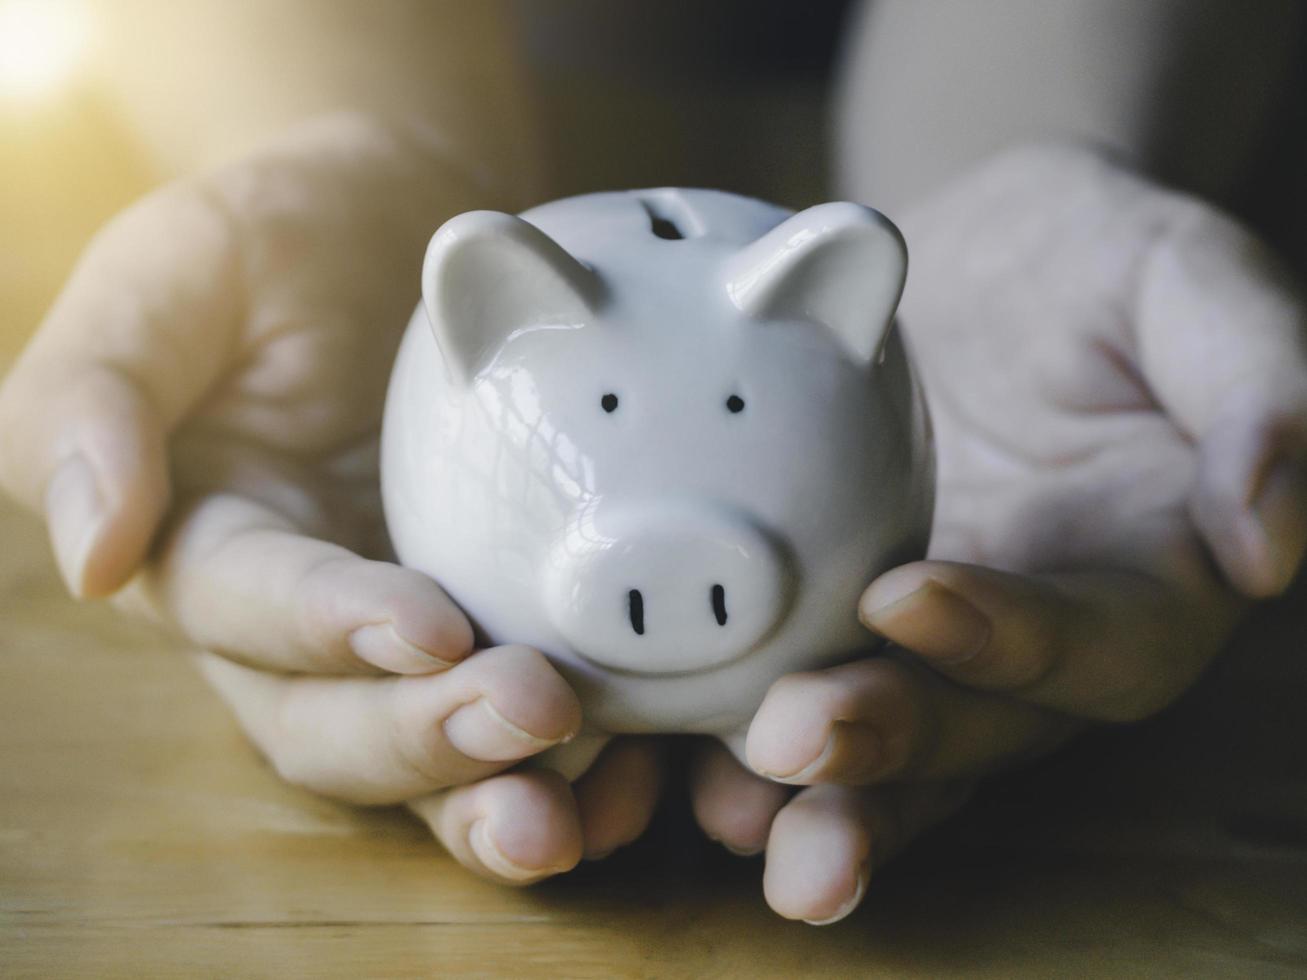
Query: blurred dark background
[(736, 90)]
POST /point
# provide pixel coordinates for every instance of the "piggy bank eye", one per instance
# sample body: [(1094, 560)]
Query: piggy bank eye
[(609, 402), (735, 404)]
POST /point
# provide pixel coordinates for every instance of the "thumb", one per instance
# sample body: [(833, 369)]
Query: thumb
[(1108, 645), (1250, 500), (141, 331), (1222, 340), (89, 453)]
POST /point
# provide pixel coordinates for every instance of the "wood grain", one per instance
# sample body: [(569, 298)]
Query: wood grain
[(140, 835)]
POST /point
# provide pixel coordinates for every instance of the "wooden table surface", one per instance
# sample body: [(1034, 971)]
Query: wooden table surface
[(141, 836)]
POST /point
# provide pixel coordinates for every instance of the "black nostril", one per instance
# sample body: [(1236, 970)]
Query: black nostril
[(636, 611), (719, 604)]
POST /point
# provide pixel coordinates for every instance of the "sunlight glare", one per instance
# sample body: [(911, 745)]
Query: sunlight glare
[(41, 44)]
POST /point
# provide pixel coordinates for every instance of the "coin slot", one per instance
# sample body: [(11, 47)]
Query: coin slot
[(669, 218)]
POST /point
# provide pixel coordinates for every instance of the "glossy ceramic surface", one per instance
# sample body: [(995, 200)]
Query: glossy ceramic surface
[(666, 437)]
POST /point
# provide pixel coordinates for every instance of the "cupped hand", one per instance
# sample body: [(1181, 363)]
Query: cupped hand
[(1117, 376), (197, 419), (202, 403)]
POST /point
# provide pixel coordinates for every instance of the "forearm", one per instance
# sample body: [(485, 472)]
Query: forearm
[(1182, 88)]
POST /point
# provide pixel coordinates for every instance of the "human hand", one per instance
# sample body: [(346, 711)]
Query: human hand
[(198, 416), (1118, 382)]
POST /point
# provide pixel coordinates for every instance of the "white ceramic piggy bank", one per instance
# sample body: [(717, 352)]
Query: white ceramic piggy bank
[(666, 437)]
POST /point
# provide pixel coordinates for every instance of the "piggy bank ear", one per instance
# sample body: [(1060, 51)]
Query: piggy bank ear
[(841, 265), (489, 274)]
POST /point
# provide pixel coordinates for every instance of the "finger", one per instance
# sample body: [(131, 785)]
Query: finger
[(883, 718), (389, 739), (616, 797), (123, 354), (514, 829), (731, 804), (239, 579), (1106, 646), (851, 724), (1222, 341), (828, 841)]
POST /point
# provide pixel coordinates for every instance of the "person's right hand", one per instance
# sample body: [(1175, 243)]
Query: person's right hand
[(198, 417)]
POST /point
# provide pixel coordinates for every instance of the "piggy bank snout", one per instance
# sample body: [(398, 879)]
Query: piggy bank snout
[(658, 589)]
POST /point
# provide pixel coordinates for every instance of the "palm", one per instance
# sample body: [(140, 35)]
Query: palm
[(327, 253), (293, 420), (1054, 455)]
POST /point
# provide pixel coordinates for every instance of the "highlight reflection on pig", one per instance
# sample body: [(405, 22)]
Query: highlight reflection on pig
[(666, 437)]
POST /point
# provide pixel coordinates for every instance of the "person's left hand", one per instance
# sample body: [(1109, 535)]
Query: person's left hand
[(1117, 376)]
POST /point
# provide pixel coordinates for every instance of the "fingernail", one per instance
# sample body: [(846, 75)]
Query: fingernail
[(858, 767), (933, 621), (381, 645), (744, 852), (75, 511), (1281, 512), (607, 852), (482, 733), (843, 911), (806, 772), (488, 852)]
